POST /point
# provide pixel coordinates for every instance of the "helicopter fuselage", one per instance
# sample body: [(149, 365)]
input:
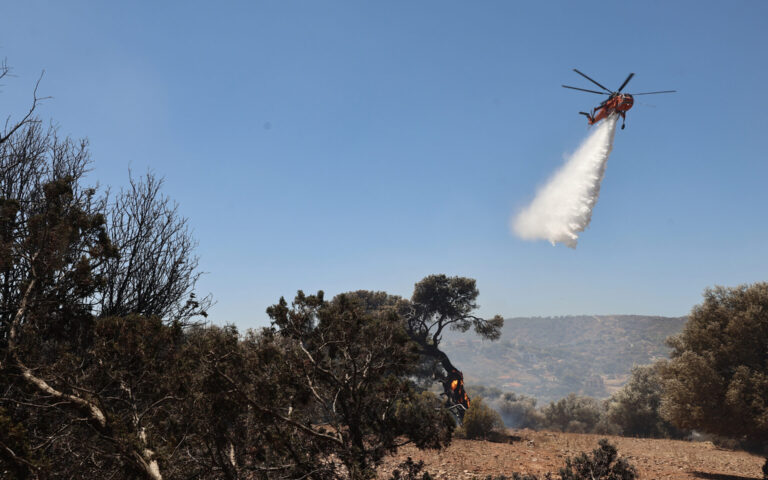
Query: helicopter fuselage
[(618, 103)]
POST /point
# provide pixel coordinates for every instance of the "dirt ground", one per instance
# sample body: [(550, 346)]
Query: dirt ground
[(541, 452)]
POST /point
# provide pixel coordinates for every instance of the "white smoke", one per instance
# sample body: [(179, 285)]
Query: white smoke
[(563, 207)]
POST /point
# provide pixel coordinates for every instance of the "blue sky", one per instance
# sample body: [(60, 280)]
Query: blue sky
[(363, 145)]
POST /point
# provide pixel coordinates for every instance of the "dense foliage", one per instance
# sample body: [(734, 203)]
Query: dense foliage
[(635, 408), (410, 470), (717, 378), (481, 421), (573, 414), (603, 464)]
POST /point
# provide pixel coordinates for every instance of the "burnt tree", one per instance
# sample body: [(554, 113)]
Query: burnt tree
[(29, 118), (53, 243), (86, 390), (441, 303), (155, 270)]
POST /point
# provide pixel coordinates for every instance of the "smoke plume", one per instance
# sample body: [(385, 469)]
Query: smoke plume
[(563, 207)]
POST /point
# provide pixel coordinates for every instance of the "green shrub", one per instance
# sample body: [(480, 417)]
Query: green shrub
[(410, 470), (601, 465), (635, 408), (519, 476), (716, 380), (480, 421), (574, 414)]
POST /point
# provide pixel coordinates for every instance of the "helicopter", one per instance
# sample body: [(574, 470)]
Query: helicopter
[(616, 102)]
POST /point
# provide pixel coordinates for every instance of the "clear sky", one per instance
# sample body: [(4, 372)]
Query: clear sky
[(363, 145)]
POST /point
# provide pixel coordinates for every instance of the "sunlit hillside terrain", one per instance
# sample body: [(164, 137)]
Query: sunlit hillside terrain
[(549, 357)]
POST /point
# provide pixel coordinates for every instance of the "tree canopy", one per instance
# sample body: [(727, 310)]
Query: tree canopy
[(717, 378), (635, 408), (441, 303)]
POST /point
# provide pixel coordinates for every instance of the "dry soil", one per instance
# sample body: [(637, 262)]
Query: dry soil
[(541, 452)]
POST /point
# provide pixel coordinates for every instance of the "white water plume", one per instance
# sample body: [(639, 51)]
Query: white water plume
[(563, 206)]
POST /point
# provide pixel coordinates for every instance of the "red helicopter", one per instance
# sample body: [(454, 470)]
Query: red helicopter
[(617, 102)]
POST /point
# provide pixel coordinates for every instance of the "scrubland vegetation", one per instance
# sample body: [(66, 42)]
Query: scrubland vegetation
[(632, 411)]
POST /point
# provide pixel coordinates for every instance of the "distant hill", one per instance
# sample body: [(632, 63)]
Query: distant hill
[(550, 357)]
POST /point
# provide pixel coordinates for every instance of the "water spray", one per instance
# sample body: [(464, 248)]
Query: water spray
[(563, 207)]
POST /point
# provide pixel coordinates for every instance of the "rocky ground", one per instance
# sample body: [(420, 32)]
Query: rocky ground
[(541, 452)]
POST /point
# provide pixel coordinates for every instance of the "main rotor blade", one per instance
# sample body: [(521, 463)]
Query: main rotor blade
[(625, 82), (585, 76), (585, 90), (651, 93)]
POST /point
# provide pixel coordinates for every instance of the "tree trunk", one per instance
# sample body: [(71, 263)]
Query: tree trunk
[(455, 394)]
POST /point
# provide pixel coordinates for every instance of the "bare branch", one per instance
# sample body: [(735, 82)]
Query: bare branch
[(28, 118)]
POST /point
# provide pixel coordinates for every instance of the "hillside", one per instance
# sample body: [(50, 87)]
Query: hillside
[(549, 357), (541, 452)]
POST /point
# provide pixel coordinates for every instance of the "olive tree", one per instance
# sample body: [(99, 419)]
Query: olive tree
[(440, 303), (717, 378)]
